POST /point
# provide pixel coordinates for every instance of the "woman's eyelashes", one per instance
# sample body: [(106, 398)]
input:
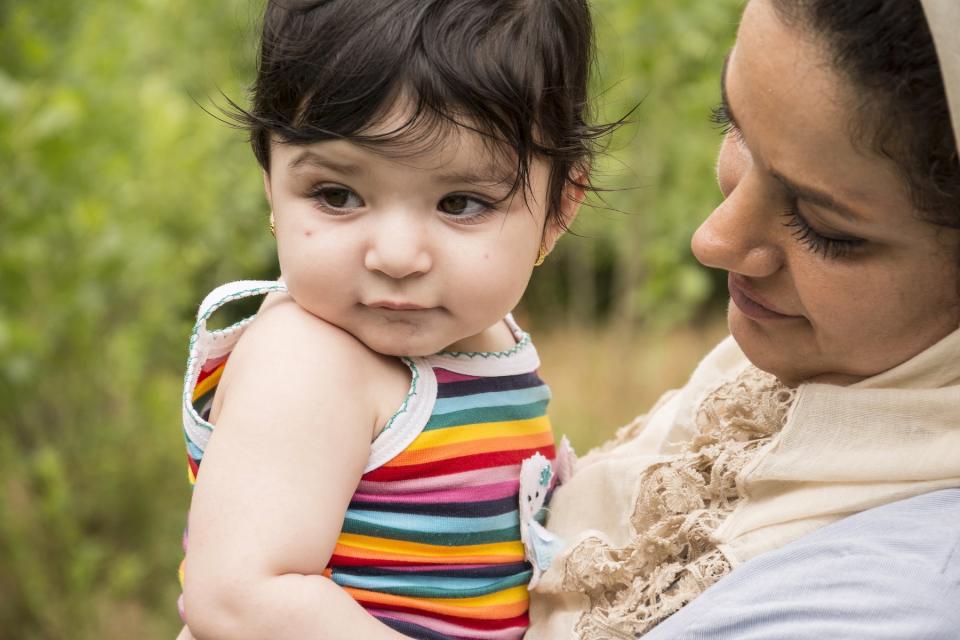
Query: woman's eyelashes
[(827, 246), (721, 119)]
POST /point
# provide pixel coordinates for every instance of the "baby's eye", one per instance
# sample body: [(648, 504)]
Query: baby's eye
[(462, 205), (336, 197)]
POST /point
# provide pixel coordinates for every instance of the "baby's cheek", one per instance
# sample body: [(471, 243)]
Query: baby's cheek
[(492, 288)]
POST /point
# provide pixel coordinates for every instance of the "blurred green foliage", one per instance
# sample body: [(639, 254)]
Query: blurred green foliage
[(122, 202), (632, 262)]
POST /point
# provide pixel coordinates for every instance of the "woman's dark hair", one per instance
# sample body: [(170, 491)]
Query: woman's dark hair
[(886, 49), (514, 71)]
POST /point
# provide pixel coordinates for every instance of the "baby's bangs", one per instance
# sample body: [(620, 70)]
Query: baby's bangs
[(419, 124), (434, 111), (422, 117), (512, 71)]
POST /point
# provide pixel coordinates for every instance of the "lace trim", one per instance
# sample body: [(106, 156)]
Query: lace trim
[(672, 558)]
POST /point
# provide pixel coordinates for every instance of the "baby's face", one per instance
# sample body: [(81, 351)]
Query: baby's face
[(411, 254)]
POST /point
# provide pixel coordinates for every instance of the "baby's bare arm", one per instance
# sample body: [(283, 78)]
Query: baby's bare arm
[(292, 437)]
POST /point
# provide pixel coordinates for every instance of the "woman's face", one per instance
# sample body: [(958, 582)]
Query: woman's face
[(833, 275)]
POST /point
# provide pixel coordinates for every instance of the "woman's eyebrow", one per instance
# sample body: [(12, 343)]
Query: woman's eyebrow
[(811, 195), (818, 198)]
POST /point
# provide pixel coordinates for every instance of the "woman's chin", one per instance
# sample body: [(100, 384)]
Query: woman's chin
[(781, 357), (765, 349)]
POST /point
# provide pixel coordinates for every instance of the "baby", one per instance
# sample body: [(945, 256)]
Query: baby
[(420, 157)]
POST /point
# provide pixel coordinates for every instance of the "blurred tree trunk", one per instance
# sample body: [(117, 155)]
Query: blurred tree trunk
[(579, 264), (628, 277)]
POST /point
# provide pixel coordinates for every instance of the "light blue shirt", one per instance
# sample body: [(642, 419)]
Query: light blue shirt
[(890, 573)]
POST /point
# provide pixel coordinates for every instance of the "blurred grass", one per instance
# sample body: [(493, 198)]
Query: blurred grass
[(601, 378)]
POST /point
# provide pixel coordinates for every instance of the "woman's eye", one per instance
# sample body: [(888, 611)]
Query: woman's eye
[(828, 247), (462, 206), (720, 118), (334, 197)]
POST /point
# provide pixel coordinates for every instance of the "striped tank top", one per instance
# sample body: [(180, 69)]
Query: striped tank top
[(430, 543)]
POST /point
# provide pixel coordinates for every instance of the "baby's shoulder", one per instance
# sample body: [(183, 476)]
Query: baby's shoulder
[(286, 346), (282, 331), (287, 350), (285, 331)]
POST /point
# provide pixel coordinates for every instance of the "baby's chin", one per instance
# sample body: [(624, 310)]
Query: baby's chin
[(399, 343)]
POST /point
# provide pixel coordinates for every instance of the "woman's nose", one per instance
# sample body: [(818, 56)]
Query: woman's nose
[(738, 236), (398, 246)]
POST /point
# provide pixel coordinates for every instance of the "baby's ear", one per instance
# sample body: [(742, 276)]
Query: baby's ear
[(570, 201), (266, 187)]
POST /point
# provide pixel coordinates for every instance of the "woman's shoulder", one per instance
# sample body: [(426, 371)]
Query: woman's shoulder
[(889, 572)]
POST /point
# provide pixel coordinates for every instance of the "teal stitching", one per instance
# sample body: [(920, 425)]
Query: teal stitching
[(524, 341), (414, 379), (236, 325), (194, 336)]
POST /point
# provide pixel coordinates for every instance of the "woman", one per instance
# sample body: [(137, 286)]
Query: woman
[(839, 390)]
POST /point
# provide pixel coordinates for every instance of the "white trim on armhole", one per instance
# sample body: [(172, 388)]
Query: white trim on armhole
[(410, 419)]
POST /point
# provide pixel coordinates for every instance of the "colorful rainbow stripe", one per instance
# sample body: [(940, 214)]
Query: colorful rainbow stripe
[(430, 543), (431, 540)]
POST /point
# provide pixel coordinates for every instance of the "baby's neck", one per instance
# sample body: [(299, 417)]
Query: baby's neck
[(497, 337)]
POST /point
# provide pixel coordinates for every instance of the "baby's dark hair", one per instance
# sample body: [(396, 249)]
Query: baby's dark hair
[(886, 49), (514, 71)]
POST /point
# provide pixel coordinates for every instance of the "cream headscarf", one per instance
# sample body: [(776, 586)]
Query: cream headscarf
[(943, 16)]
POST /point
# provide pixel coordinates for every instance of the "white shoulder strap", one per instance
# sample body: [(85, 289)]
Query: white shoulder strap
[(205, 344), (231, 291)]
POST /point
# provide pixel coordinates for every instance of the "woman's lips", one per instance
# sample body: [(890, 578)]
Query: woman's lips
[(749, 303)]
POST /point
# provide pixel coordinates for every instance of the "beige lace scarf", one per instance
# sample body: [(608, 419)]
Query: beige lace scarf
[(672, 558)]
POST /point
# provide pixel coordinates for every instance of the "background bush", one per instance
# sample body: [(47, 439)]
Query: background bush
[(122, 203)]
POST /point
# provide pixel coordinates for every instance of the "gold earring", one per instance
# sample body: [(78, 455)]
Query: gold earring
[(273, 229), (541, 255)]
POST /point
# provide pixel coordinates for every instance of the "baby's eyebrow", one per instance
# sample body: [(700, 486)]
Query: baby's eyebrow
[(485, 175), (307, 157)]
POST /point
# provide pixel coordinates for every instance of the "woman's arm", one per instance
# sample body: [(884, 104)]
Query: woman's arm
[(294, 426), (885, 574)]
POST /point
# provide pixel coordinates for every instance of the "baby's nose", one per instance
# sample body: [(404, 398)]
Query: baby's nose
[(399, 248)]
